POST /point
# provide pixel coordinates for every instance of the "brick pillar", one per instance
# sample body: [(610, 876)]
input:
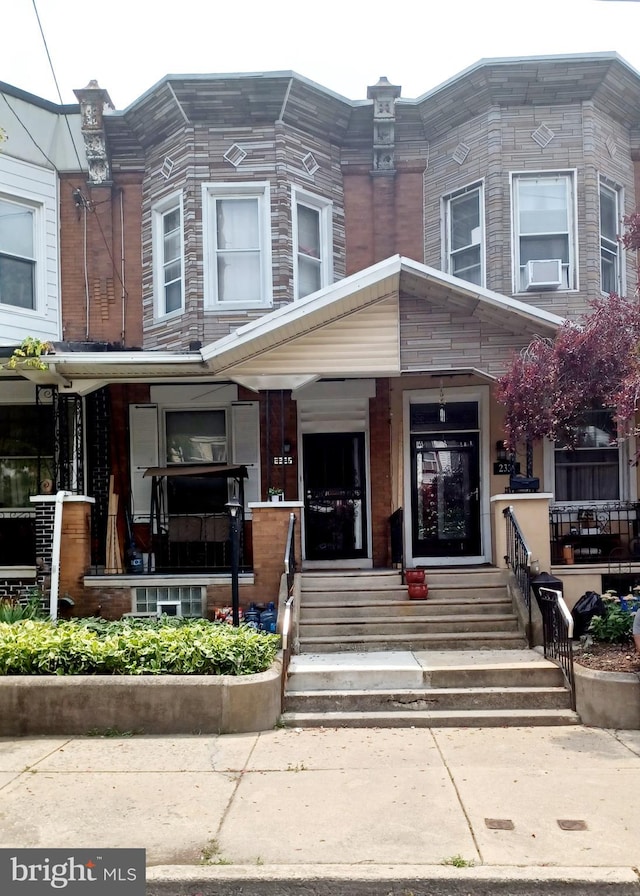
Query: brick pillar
[(270, 529)]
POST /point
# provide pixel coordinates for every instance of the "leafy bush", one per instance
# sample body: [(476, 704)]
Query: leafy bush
[(133, 647), (12, 610), (614, 628)]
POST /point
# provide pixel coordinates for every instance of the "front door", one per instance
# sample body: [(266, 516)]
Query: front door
[(445, 479), (445, 495), (334, 495)]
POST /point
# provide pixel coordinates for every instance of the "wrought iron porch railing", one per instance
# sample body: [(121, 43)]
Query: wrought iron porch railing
[(184, 543), (518, 559), (286, 627), (597, 533), (557, 629)]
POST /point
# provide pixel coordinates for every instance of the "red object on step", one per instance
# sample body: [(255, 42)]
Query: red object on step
[(418, 590), (414, 576)]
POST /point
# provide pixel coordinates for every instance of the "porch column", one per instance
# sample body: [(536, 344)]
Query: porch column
[(532, 514), (270, 527)]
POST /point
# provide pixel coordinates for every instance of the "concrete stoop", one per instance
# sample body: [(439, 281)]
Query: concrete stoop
[(369, 656), (426, 689), (361, 611)]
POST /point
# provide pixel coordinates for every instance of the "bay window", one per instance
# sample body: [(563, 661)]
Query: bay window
[(463, 236), (610, 247), (237, 245), (168, 255), (312, 238), (544, 238)]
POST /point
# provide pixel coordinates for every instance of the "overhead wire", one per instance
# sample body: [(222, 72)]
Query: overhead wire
[(85, 204)]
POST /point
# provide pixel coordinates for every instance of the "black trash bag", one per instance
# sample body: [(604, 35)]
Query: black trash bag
[(586, 607)]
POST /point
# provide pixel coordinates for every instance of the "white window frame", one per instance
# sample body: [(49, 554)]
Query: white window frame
[(39, 286), (211, 193), (570, 268), (448, 253), (324, 208), (159, 212), (614, 249), (221, 443)]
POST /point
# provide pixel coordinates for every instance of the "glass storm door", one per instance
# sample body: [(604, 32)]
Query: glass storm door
[(445, 495), (334, 496)]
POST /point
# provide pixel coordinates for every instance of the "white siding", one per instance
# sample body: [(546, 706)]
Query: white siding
[(37, 186)]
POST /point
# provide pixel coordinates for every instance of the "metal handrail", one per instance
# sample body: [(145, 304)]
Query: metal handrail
[(290, 564), (518, 558), (557, 629)]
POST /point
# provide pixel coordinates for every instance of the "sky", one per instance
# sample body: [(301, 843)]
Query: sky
[(343, 45)]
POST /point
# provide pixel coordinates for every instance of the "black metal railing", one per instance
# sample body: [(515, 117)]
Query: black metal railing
[(184, 543), (598, 533), (290, 563), (518, 559), (396, 536), (557, 632)]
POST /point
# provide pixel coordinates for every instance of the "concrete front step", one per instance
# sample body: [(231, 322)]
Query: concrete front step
[(411, 609), (485, 594), (341, 627), (443, 641), (428, 699), (480, 718), (389, 672)]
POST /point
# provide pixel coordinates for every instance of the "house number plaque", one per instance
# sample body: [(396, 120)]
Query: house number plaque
[(285, 460)]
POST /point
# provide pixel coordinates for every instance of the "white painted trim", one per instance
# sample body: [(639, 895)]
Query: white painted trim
[(445, 203), (481, 395), (324, 207), (572, 209), (158, 211)]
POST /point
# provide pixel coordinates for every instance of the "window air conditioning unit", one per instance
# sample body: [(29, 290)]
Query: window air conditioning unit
[(543, 274)]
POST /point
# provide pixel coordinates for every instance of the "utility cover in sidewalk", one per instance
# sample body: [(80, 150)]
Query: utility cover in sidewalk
[(572, 824), (499, 824)]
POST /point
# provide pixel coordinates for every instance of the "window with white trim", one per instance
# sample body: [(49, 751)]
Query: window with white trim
[(237, 245), (17, 254), (544, 237), (464, 234), (591, 470), (312, 242), (610, 246), (168, 247)]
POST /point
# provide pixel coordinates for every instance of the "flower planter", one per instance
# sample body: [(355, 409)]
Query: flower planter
[(414, 576), (418, 590), (276, 498)]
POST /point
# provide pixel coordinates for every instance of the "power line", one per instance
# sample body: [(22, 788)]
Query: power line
[(66, 118)]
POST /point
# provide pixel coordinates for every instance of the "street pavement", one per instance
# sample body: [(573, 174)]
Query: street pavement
[(356, 811)]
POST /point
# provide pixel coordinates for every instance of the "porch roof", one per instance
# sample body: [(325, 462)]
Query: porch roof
[(351, 327)]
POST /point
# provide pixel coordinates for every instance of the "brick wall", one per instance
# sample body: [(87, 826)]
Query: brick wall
[(113, 311), (270, 528)]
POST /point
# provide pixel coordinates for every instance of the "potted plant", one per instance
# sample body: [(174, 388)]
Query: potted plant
[(276, 494)]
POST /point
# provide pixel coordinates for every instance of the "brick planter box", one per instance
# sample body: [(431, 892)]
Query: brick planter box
[(607, 699), (143, 704)]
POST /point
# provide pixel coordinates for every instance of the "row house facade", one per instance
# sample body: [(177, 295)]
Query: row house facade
[(251, 284)]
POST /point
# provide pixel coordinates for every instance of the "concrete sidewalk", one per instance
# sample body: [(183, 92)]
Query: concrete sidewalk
[(410, 810)]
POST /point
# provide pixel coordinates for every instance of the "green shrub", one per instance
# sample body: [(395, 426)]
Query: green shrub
[(12, 610), (614, 628), (133, 647)]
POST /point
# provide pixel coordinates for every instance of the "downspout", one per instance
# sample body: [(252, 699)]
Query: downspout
[(55, 554)]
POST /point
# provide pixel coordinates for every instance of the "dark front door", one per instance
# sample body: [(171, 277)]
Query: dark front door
[(445, 495), (334, 495)]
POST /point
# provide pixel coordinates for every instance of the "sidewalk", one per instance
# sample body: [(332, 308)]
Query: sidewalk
[(367, 807)]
